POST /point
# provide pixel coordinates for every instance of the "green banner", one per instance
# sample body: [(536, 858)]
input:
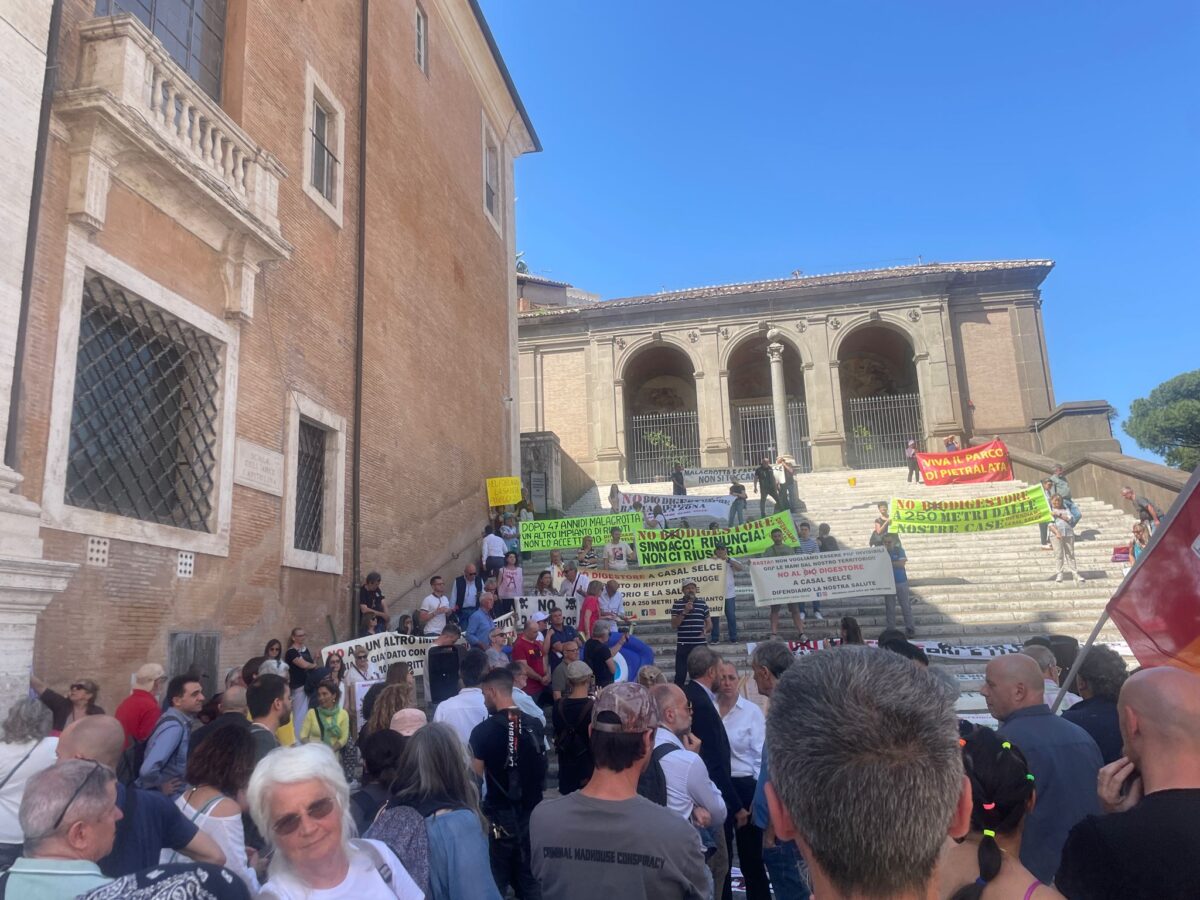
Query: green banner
[(1027, 507), (560, 534), (680, 545)]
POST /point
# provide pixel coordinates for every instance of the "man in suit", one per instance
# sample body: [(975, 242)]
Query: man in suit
[(704, 668), (467, 588)]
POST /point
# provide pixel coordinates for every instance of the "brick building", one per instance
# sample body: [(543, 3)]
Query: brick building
[(215, 314)]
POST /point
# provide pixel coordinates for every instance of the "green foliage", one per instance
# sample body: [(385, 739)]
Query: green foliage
[(1168, 421), (660, 440)]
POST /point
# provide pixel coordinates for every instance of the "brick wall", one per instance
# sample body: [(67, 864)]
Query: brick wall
[(566, 403), (989, 372)]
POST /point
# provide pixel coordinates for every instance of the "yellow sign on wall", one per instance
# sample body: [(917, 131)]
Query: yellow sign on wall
[(504, 491)]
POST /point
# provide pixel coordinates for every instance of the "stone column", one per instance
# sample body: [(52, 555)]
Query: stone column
[(610, 412), (713, 418), (823, 395), (778, 395)]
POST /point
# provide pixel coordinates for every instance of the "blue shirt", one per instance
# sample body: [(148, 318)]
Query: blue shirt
[(1064, 761), (166, 752), (479, 629), (1098, 717), (760, 814), (899, 572), (151, 823), (458, 858), (52, 879)]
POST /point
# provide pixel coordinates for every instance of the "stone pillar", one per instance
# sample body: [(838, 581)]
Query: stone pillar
[(778, 395), (610, 411), (713, 418)]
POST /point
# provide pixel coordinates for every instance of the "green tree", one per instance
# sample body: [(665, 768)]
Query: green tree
[(1168, 421)]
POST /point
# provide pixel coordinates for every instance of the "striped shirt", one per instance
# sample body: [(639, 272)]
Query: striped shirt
[(691, 629), (809, 545)]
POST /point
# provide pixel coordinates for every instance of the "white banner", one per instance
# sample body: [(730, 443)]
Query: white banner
[(675, 508), (938, 649), (524, 607), (698, 477), (821, 576), (390, 647)]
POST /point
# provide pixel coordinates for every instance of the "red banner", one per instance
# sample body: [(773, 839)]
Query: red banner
[(1157, 606), (986, 462)]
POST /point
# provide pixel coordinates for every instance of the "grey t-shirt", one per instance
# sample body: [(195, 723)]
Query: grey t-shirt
[(589, 849)]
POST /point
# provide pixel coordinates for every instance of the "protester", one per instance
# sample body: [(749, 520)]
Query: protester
[(558, 679), (1062, 757), (690, 619), (574, 584), (231, 711), (586, 555), (434, 608), (529, 654), (746, 728), (466, 709), (611, 604), (166, 751), (79, 702), (481, 623), (467, 588), (572, 716), (575, 838), (360, 669), (392, 699), (689, 792), (329, 723), (900, 573), (1048, 663), (1140, 542), (849, 631), (521, 698), (492, 551), (300, 798), (858, 742), (398, 673), (951, 444), (509, 534), (442, 662), (906, 649), (525, 515), (737, 509), (1063, 535), (544, 586), (765, 485), (1100, 678), (658, 518), (1147, 846), (138, 713), (787, 495), (498, 652), (678, 483), (808, 544), (373, 618), (436, 799), (25, 749), (381, 753), (910, 459), (779, 548), (560, 634), (270, 705), (299, 662), (510, 582), (878, 532), (1044, 527), (1147, 512), (618, 554), (508, 750), (1059, 487), (407, 722), (599, 656), (731, 566)]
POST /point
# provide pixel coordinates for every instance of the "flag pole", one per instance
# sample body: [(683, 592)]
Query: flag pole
[(1083, 652)]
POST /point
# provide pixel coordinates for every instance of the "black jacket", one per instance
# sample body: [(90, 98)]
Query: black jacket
[(460, 590), (714, 744), (234, 719)]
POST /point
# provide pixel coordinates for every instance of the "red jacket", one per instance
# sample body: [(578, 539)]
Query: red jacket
[(138, 714)]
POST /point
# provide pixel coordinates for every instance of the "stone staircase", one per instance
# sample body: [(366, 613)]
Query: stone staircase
[(989, 588)]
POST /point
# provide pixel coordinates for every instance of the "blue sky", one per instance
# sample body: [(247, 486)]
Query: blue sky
[(693, 143)]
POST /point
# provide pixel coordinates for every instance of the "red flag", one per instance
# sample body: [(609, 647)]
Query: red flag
[(984, 462), (1157, 606)]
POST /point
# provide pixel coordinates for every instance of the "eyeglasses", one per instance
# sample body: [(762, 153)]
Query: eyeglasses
[(62, 815), (78, 686), (689, 707), (360, 656), (321, 809)]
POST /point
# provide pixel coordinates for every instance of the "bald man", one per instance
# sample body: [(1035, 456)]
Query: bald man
[(232, 706), (1048, 663), (151, 822), (1148, 845), (1062, 756)]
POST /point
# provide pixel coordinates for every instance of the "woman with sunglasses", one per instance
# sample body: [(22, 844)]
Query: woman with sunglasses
[(79, 702), (274, 649), (300, 802)]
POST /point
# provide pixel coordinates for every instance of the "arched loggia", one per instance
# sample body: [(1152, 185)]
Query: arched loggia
[(752, 414), (661, 421), (881, 396)]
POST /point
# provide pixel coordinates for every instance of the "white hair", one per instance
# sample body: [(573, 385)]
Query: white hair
[(292, 765)]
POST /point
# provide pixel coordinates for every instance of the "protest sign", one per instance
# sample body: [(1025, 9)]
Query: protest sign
[(557, 534), (390, 647), (671, 546), (983, 462), (932, 649), (1024, 507), (674, 507), (821, 576), (504, 491), (698, 477)]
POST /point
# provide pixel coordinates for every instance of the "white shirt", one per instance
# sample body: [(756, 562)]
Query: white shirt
[(470, 593), (747, 730), (493, 545), (362, 880), (1052, 690), (42, 757), (616, 556), (463, 712), (688, 784), (436, 623), (578, 587), (228, 834), (612, 603), (354, 676), (730, 581)]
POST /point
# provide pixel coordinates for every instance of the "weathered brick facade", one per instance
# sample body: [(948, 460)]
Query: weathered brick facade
[(438, 302)]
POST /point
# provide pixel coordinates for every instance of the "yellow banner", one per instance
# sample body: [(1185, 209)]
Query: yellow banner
[(504, 491), (680, 545), (1027, 507)]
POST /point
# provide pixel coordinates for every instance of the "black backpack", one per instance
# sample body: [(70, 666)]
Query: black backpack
[(130, 764), (653, 782), (572, 741)]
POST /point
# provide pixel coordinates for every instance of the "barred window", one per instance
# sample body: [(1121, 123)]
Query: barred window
[(324, 162), (310, 486), (491, 176), (422, 32), (144, 421), (192, 31)]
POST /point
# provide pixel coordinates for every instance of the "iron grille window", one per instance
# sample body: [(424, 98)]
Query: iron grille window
[(422, 40), (491, 178), (144, 418), (310, 487), (192, 31), (324, 163)]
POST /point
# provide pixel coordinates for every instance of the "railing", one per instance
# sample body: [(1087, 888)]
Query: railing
[(657, 441), (754, 434), (879, 428), (122, 60)]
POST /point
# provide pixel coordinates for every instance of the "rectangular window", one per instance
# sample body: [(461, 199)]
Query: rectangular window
[(192, 31), (324, 163), (491, 176), (422, 52), (196, 653), (310, 487), (145, 414)]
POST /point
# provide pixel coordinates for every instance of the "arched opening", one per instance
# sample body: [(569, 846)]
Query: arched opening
[(880, 395), (662, 427), (752, 414)]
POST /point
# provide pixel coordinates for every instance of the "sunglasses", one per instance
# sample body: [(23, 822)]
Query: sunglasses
[(80, 687), (96, 767), (317, 811), (360, 656)]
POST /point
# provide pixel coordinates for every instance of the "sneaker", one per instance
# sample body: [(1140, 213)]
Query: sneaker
[(1079, 580), (817, 615), (1047, 547), (1058, 579)]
